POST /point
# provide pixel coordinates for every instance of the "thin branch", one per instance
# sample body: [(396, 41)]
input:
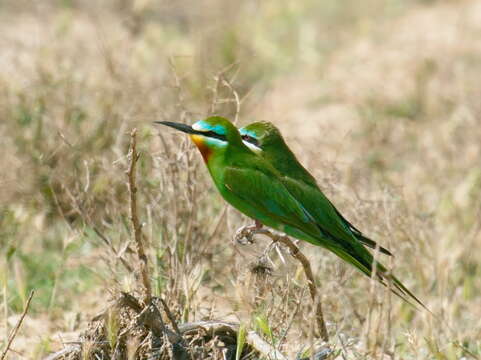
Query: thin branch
[(227, 84), (17, 326), (170, 316), (125, 300), (66, 352), (151, 318), (249, 231), (142, 266), (107, 241), (219, 79)]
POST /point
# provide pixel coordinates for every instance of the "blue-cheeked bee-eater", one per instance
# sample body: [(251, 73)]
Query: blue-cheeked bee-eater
[(252, 185)]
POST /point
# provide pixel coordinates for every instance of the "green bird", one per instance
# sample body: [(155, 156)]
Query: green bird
[(253, 186), (266, 140)]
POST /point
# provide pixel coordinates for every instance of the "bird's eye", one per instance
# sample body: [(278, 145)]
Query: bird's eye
[(250, 139)]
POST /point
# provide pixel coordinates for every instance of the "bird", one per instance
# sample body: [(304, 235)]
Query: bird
[(265, 139), (253, 186)]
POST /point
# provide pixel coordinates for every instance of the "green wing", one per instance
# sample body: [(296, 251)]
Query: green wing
[(263, 191), (327, 217), (320, 208)]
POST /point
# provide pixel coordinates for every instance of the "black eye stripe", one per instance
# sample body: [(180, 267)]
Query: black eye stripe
[(250, 139), (213, 134)]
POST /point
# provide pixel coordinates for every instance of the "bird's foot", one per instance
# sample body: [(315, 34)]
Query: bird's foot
[(245, 234)]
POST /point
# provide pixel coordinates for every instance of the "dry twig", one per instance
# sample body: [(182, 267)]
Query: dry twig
[(220, 79), (249, 231), (142, 266), (17, 326), (170, 316), (236, 100)]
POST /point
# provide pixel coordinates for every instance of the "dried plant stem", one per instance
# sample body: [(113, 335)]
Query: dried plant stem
[(248, 232), (236, 100), (142, 266), (170, 316), (17, 326)]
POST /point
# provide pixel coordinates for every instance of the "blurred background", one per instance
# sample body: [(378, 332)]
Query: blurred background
[(380, 99)]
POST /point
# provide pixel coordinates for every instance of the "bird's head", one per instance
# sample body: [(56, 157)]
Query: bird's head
[(260, 135), (266, 140), (210, 135)]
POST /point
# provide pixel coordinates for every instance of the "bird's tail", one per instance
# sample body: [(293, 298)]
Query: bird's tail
[(360, 236), (366, 265), (371, 244)]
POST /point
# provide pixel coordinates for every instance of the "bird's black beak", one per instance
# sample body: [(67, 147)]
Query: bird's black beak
[(181, 127)]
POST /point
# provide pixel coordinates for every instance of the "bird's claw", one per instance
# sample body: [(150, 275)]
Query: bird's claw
[(245, 234)]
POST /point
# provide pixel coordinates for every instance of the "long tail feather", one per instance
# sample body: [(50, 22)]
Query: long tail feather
[(407, 293), (366, 266), (359, 235), (372, 244)]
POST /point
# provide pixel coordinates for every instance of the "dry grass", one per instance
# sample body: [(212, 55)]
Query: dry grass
[(379, 100)]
